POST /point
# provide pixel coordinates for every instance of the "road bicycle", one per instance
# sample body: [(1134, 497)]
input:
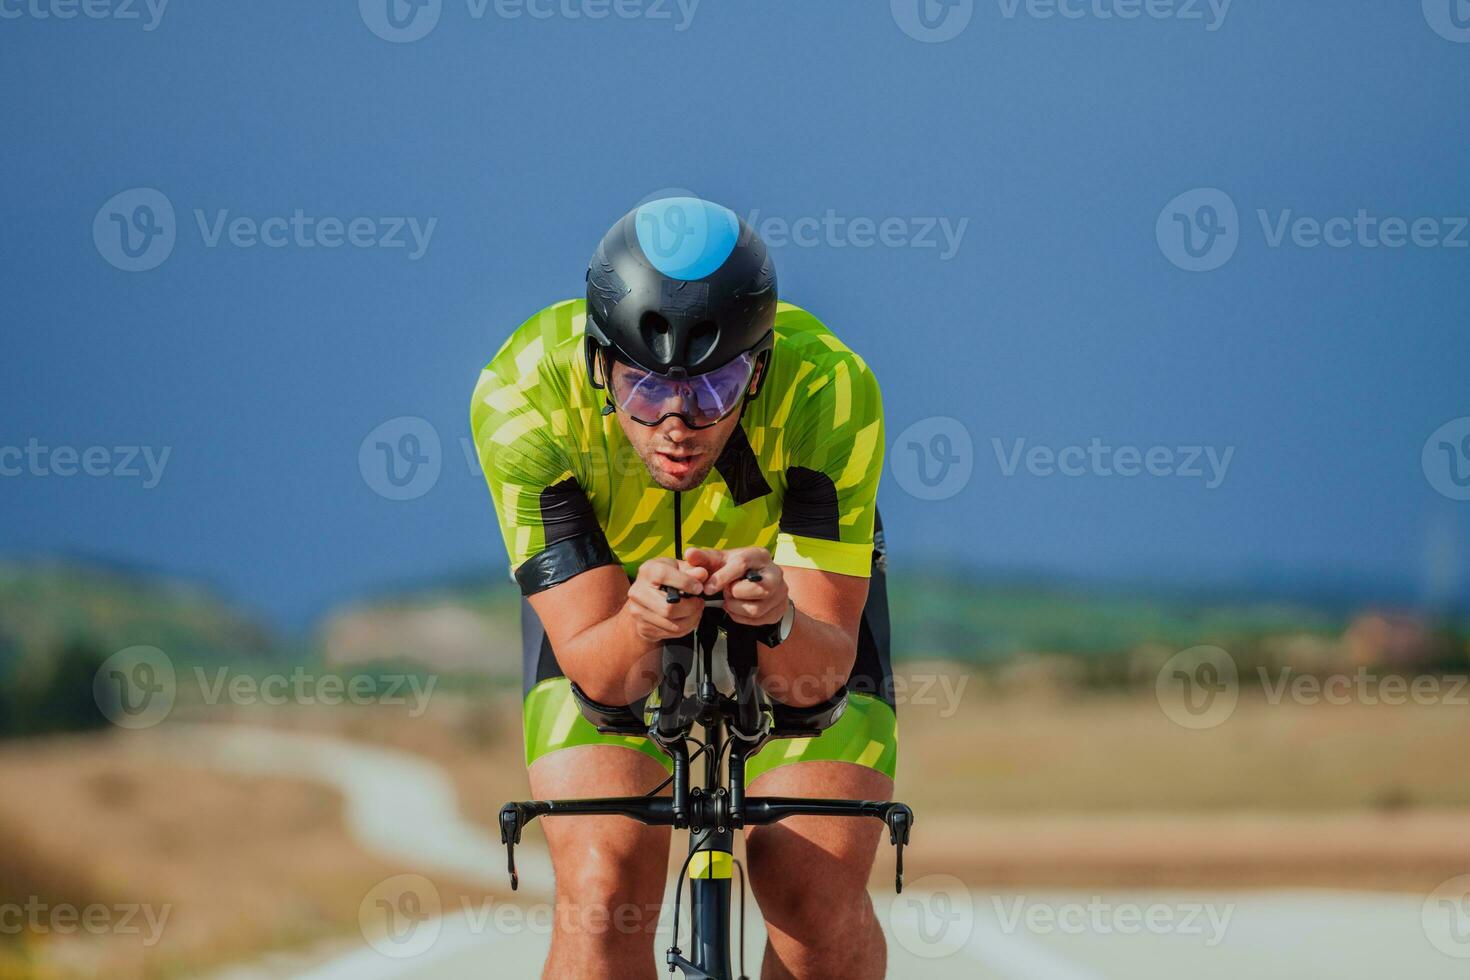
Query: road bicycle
[(736, 719)]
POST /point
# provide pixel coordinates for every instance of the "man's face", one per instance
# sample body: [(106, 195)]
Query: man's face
[(677, 457)]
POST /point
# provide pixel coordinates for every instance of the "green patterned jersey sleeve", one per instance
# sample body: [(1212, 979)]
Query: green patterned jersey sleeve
[(833, 463), (519, 420), (519, 461)]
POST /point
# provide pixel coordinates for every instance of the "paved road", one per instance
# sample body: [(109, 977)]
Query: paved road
[(404, 808)]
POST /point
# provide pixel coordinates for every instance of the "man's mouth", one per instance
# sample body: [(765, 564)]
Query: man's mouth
[(679, 463)]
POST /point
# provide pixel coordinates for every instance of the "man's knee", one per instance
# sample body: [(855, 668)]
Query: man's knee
[(609, 900), (804, 889)]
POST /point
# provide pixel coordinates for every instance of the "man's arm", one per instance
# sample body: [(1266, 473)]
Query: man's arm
[(608, 634), (813, 662)]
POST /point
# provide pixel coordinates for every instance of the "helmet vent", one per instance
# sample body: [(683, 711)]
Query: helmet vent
[(657, 336), (703, 338)]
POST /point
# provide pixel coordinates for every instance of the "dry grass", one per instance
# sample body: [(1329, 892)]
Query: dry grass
[(238, 865)]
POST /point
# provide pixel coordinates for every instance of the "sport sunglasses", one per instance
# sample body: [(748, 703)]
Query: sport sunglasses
[(701, 401)]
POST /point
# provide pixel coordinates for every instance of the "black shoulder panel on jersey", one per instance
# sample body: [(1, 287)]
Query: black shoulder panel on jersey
[(810, 507), (740, 469), (566, 512), (564, 560), (575, 541)]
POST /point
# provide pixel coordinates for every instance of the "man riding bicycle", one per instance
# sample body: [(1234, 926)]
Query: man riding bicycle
[(682, 401)]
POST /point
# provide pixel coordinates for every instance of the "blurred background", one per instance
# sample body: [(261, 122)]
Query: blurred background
[(1169, 305)]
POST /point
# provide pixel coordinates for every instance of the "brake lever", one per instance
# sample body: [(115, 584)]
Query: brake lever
[(900, 820), (511, 822)]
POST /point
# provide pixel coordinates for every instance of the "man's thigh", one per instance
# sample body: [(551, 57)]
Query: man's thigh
[(834, 853)]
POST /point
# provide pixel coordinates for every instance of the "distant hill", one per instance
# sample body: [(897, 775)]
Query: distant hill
[(48, 604), (463, 627)]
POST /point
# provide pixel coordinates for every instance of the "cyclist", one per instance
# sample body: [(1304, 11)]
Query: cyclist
[(682, 389)]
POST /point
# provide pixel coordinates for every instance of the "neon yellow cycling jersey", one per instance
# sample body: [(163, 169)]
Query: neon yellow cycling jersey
[(799, 475)]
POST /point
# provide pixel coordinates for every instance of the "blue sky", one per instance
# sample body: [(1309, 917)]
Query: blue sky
[(987, 219)]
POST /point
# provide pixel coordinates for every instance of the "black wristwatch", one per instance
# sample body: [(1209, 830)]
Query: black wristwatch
[(777, 632)]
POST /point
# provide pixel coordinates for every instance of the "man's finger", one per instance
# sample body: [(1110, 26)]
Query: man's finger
[(683, 578), (737, 563), (708, 558), (751, 591)]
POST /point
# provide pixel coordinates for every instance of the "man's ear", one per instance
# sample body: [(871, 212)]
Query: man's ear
[(757, 376)]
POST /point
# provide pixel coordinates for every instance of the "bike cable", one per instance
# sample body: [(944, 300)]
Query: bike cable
[(703, 748)]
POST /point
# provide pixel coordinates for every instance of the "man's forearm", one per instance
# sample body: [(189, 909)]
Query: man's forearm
[(810, 665), (610, 662)]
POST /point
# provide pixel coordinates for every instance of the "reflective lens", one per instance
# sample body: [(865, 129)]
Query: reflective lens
[(700, 401)]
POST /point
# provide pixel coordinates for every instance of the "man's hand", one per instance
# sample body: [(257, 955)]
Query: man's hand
[(654, 617), (751, 603)]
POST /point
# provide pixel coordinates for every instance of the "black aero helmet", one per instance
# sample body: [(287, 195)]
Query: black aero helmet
[(680, 286)]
